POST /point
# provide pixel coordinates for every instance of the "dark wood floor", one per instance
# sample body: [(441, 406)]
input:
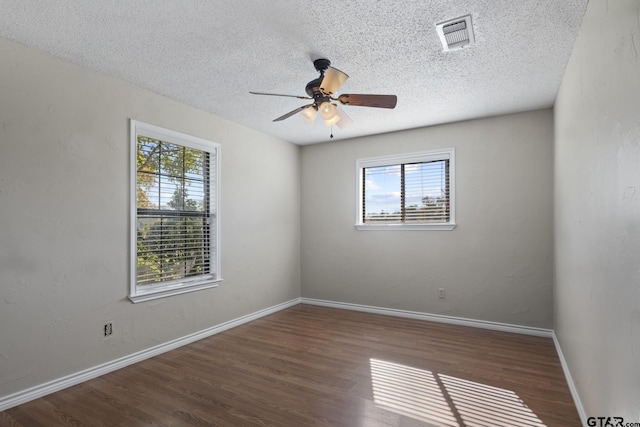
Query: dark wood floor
[(310, 365)]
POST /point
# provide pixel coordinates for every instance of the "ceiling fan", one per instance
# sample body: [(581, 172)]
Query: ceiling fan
[(321, 91)]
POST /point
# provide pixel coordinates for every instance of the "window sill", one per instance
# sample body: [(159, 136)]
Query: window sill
[(157, 292), (405, 227)]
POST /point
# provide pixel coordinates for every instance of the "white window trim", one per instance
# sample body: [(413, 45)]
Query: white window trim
[(422, 156), (150, 292)]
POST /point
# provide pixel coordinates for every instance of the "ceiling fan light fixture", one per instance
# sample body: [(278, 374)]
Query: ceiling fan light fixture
[(335, 119), (345, 120), (309, 114), (328, 111), (332, 80)]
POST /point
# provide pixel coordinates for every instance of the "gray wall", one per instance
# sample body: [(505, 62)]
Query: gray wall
[(597, 210), (64, 208), (496, 265)]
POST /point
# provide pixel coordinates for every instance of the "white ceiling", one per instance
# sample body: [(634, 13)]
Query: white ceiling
[(209, 54)]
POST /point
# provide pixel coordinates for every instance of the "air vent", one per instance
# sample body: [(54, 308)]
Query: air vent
[(456, 33)]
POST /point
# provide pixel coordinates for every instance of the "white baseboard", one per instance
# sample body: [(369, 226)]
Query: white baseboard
[(570, 383), (484, 324), (38, 391)]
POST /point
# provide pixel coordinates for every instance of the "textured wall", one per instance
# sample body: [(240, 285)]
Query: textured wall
[(496, 265), (64, 207), (597, 211)]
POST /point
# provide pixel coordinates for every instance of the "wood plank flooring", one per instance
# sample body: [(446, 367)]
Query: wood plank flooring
[(316, 366)]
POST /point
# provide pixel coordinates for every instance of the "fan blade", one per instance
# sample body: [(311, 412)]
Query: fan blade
[(345, 120), (291, 113), (278, 94), (332, 80), (378, 101)]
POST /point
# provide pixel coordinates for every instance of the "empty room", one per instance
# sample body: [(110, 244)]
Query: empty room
[(389, 213)]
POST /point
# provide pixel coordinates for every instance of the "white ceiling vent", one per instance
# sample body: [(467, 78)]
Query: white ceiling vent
[(456, 33)]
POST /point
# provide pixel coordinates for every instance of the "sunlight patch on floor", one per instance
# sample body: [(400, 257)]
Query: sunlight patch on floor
[(446, 401)]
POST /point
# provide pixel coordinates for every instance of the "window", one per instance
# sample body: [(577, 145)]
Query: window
[(174, 218), (406, 192)]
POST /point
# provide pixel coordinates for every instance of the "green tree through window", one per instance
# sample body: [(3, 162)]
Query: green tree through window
[(173, 212)]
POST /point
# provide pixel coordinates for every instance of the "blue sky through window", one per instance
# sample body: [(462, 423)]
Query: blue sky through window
[(383, 186)]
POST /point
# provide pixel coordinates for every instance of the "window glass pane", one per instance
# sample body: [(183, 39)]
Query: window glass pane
[(193, 196), (171, 159), (382, 194), (147, 159), (148, 154), (148, 196), (194, 183), (426, 192), (170, 195), (173, 220), (171, 248), (194, 161), (407, 193)]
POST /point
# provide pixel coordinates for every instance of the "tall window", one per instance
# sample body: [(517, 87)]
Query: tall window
[(409, 191), (175, 213)]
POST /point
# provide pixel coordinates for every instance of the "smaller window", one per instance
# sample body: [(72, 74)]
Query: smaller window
[(412, 191)]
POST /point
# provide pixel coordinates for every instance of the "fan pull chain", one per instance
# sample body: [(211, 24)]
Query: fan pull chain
[(331, 136)]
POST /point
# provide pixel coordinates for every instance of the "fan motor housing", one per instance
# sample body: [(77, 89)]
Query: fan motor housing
[(313, 87), (313, 90)]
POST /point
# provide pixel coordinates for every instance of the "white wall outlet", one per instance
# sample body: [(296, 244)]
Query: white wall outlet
[(108, 329), (441, 293)]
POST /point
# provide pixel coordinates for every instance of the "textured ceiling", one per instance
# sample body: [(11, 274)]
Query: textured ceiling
[(210, 54)]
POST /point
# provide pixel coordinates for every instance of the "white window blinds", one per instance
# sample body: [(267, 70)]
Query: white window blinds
[(175, 243), (410, 189), (174, 216)]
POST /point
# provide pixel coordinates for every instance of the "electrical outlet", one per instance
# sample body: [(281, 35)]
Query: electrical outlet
[(441, 293), (108, 329)]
